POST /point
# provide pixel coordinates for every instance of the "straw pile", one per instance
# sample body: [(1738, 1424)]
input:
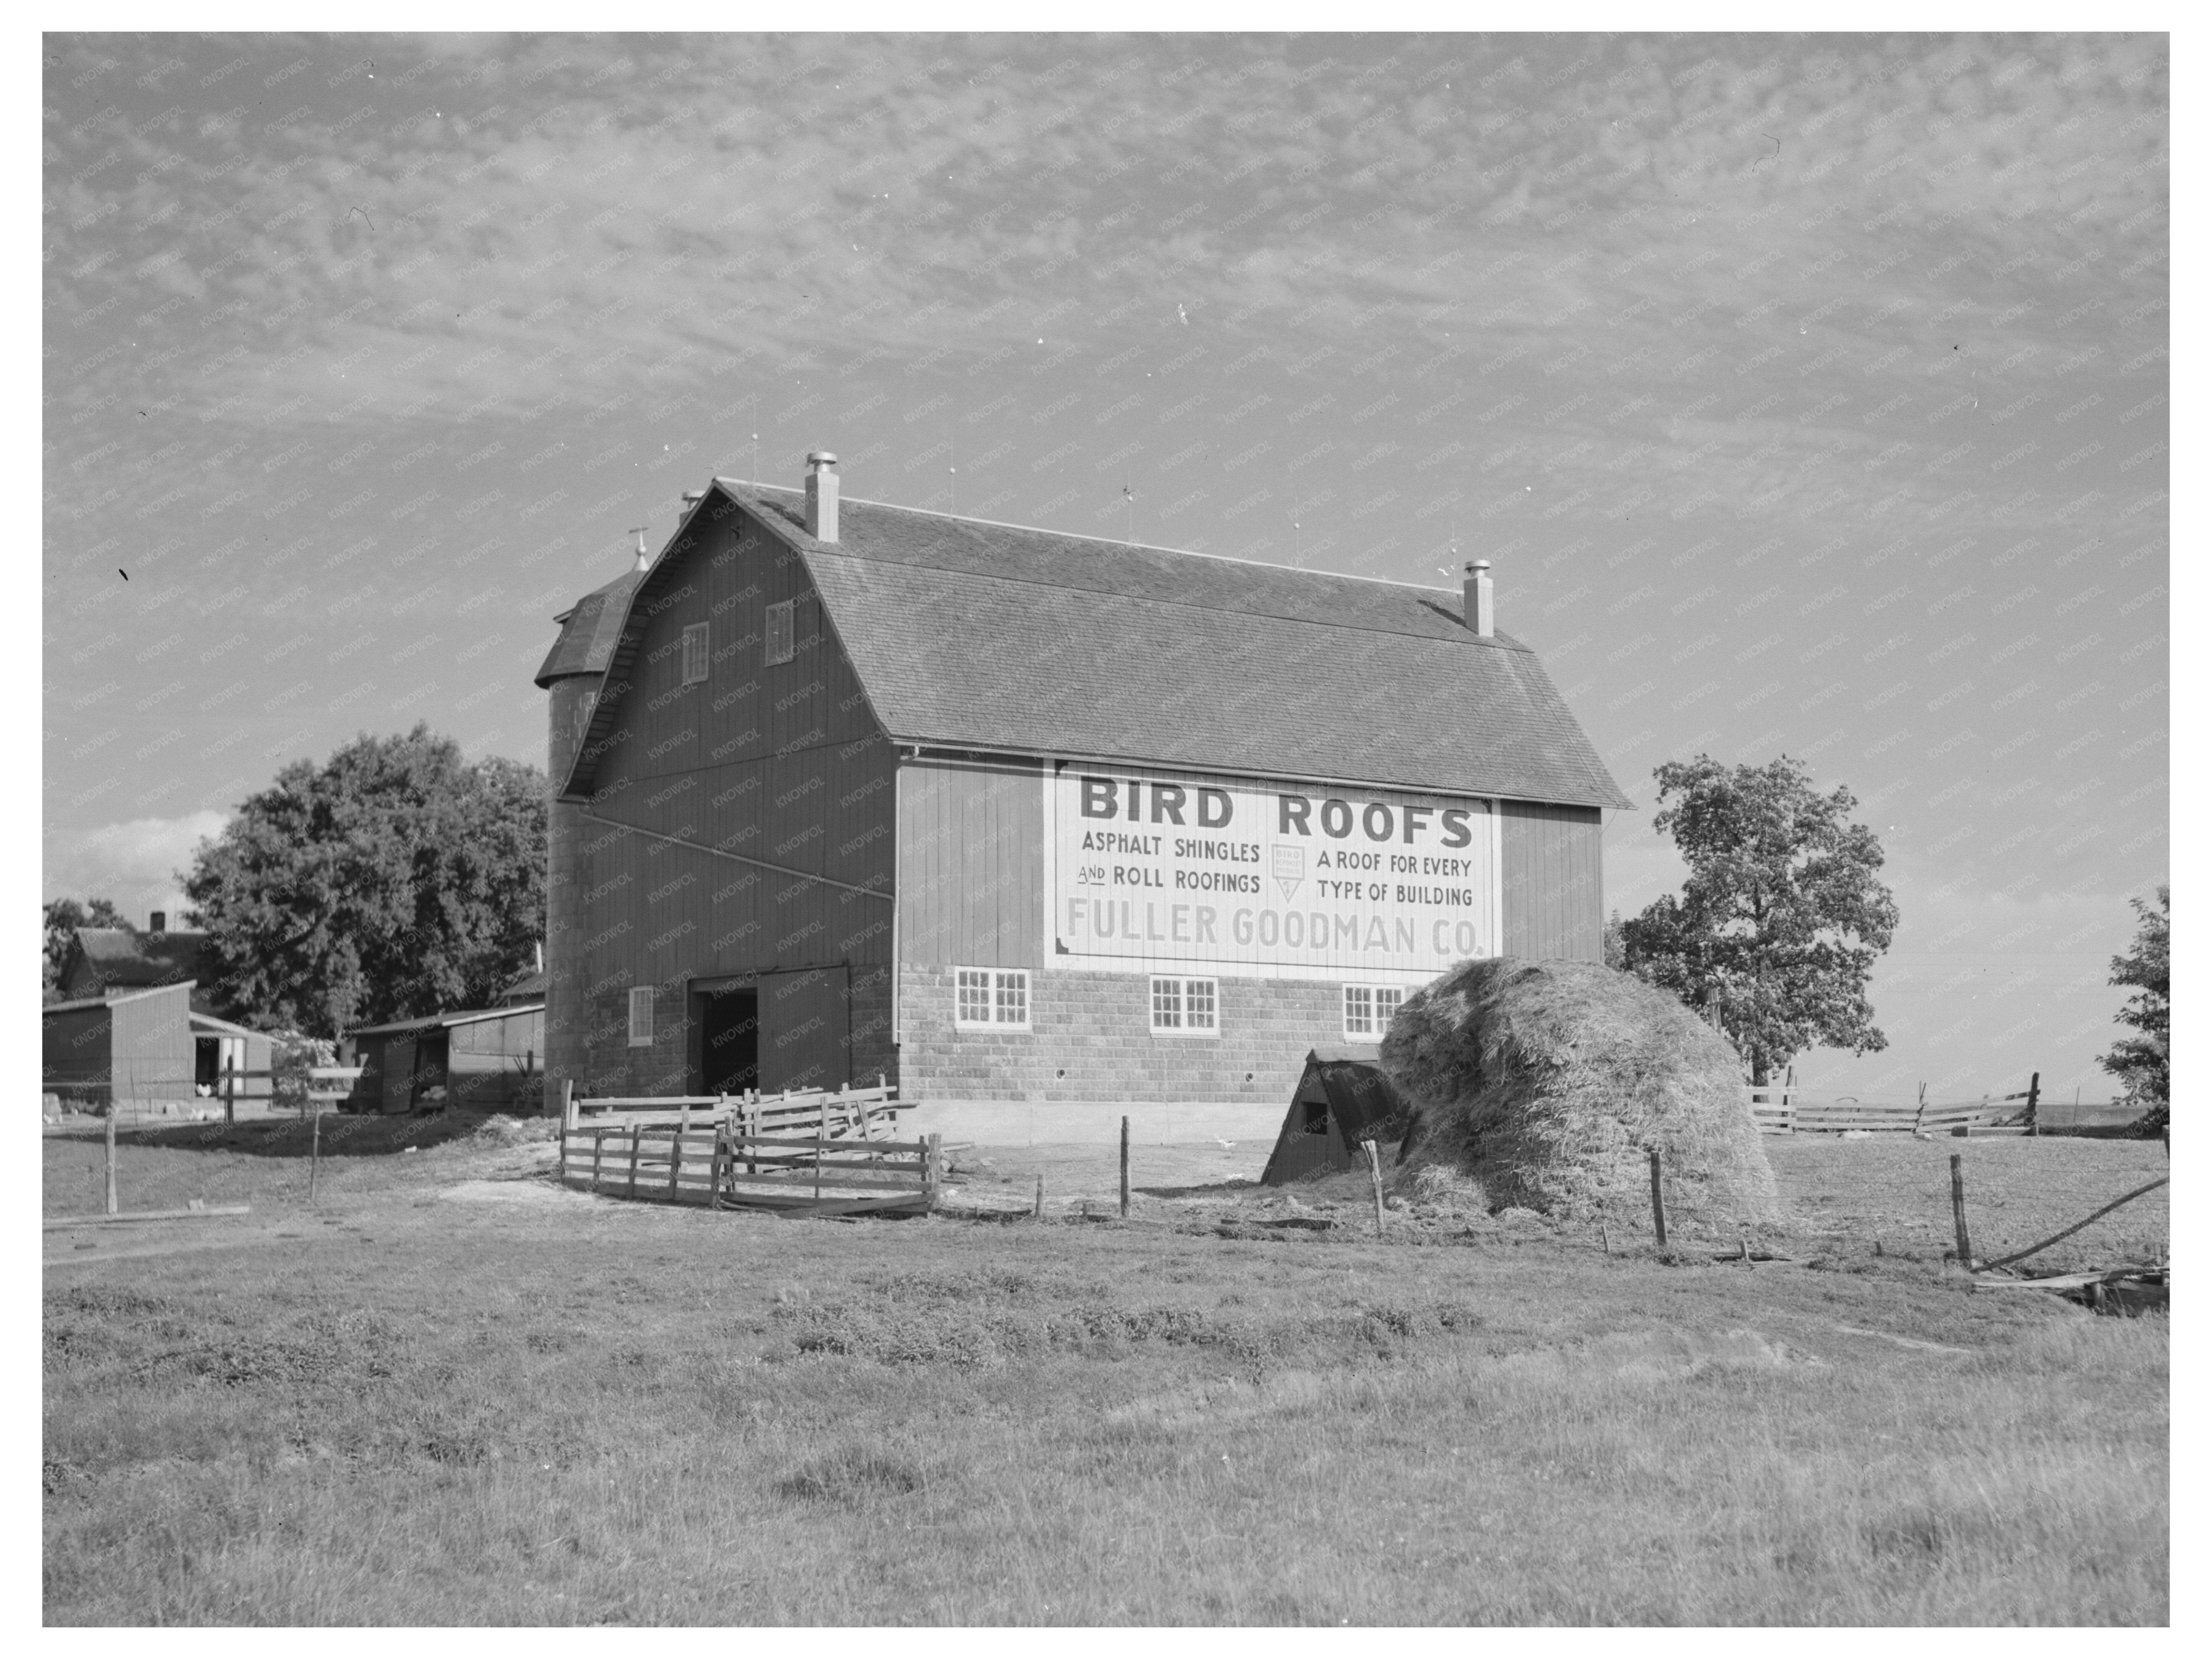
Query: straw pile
[(1546, 1083)]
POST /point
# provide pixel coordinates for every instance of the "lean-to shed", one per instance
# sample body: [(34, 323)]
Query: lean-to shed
[(482, 1060)]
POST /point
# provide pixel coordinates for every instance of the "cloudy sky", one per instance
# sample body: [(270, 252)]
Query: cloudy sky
[(1808, 395)]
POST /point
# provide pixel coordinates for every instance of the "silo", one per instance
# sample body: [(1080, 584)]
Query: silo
[(572, 673)]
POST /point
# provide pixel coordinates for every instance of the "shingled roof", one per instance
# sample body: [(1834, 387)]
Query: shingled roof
[(102, 959), (589, 629), (966, 634)]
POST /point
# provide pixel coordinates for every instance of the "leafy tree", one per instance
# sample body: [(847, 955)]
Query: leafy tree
[(63, 917), (2140, 1061), (1616, 953), (387, 883), (1778, 925)]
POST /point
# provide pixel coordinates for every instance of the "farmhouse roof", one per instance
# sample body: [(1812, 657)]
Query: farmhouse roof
[(121, 959), (531, 988), (967, 634)]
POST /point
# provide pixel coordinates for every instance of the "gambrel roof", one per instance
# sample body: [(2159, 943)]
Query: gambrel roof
[(969, 635)]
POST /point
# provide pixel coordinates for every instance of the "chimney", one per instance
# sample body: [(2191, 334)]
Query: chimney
[(158, 922), (1481, 613), (822, 495)]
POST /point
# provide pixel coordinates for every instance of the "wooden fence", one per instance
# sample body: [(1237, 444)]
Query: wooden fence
[(812, 1151), (1785, 1110)]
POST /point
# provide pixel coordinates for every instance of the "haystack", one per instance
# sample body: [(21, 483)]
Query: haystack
[(1547, 1082)]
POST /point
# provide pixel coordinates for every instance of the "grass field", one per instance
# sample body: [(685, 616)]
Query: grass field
[(452, 1393)]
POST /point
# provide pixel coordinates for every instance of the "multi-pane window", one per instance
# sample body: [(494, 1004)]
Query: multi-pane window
[(641, 1017), (1368, 1010), (780, 645), (992, 997), (694, 653), (1186, 1007)]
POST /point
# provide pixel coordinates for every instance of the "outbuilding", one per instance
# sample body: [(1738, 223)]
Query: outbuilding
[(151, 1051), (477, 1060), (1341, 1100), (846, 789)]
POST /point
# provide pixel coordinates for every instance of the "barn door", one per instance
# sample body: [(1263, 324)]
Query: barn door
[(805, 1029), (398, 1080)]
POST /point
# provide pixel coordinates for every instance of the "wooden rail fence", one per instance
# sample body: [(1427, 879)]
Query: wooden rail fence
[(808, 1152), (1785, 1109)]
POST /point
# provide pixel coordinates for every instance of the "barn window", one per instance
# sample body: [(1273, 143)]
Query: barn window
[(641, 1017), (780, 648), (694, 653), (1368, 1010), (1186, 1007), (992, 999)]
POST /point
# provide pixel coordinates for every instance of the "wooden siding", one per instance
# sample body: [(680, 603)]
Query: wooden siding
[(1554, 896), (74, 1047), (779, 763), (152, 1051), (971, 863), (493, 1065)]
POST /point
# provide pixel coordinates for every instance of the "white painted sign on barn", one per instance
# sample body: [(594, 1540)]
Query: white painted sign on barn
[(1152, 867)]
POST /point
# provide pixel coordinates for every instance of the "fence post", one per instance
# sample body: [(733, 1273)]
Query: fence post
[(1658, 1201), (315, 1153), (229, 1096), (2035, 1094), (1125, 1169), (636, 1132), (1375, 1180), (1920, 1109), (1959, 1212), (111, 1155), (568, 1104)]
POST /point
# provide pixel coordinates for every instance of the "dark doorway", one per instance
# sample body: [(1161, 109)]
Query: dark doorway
[(729, 1041)]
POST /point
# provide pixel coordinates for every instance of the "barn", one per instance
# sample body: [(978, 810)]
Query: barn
[(844, 789), (149, 1049)]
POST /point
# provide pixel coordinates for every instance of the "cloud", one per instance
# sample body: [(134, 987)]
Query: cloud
[(134, 864)]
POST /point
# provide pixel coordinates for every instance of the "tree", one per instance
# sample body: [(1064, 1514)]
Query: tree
[(63, 917), (2140, 1062), (1616, 953), (1778, 925), (387, 883)]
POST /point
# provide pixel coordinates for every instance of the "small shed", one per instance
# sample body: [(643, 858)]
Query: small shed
[(481, 1059), (149, 1050), (1341, 1100)]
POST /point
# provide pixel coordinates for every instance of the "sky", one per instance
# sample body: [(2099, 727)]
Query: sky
[(1808, 395)]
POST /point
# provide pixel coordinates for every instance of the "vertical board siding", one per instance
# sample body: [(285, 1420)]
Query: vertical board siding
[(782, 764), (971, 863), (1555, 894), (75, 1047), (151, 1049)]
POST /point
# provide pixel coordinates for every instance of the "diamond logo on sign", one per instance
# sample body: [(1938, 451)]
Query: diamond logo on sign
[(1290, 869)]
